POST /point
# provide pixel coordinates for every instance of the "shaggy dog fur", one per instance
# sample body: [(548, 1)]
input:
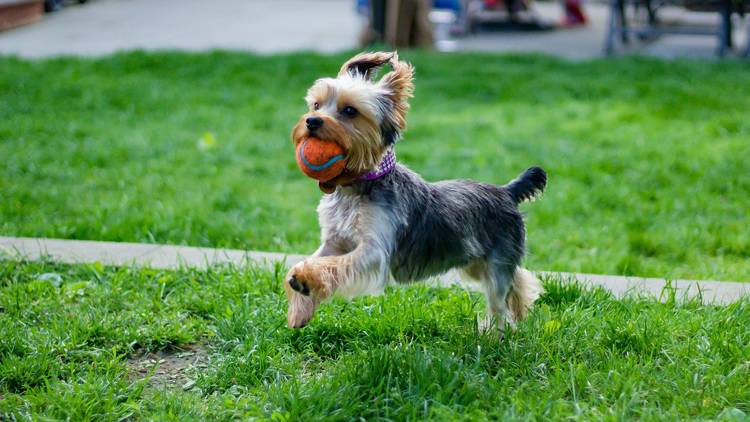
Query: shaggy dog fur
[(399, 226)]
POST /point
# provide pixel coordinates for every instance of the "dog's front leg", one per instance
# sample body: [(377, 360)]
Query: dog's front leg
[(330, 247), (301, 303), (318, 277)]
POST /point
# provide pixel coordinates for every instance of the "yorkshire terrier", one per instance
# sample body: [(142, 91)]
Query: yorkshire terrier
[(379, 219)]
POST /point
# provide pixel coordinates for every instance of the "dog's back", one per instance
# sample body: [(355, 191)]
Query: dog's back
[(450, 224)]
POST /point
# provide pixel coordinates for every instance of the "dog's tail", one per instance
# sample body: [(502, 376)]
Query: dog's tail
[(527, 186)]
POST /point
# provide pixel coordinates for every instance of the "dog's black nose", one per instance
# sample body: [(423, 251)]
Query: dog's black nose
[(314, 123)]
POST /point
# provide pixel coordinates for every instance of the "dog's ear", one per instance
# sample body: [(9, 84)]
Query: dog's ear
[(399, 86), (366, 64)]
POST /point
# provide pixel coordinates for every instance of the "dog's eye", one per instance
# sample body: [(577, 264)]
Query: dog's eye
[(316, 106), (349, 111)]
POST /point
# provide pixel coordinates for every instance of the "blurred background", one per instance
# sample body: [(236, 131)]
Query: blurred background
[(568, 28), (167, 121)]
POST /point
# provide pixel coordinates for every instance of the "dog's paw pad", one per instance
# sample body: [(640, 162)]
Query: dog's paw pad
[(299, 286)]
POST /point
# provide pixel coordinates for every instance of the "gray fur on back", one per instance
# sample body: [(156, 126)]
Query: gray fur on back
[(447, 224)]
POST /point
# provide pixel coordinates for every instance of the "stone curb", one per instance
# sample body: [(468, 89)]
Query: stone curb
[(173, 257)]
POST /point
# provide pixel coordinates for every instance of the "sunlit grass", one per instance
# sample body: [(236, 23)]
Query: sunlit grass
[(67, 332), (647, 159)]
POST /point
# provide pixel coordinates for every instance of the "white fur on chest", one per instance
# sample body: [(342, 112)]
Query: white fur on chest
[(354, 222), (340, 216)]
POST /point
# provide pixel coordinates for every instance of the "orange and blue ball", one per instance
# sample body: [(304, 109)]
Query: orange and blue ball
[(320, 159)]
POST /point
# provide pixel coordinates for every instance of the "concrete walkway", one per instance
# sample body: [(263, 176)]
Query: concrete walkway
[(264, 26), (102, 27), (171, 257)]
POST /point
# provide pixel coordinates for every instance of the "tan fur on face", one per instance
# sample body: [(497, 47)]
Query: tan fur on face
[(398, 83), (381, 103)]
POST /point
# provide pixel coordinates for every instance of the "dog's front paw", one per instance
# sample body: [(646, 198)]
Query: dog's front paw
[(296, 279), (301, 304), (310, 278), (298, 286)]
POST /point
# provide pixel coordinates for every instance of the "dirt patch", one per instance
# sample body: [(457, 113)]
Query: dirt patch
[(171, 369)]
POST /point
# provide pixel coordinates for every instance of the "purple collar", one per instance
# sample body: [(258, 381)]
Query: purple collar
[(386, 165)]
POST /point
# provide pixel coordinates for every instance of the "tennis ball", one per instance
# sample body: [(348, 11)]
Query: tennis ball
[(319, 159)]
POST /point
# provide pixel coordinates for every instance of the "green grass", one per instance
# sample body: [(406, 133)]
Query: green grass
[(67, 333), (647, 159)]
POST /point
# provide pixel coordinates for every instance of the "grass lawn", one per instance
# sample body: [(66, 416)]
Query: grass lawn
[(648, 160), (73, 338)]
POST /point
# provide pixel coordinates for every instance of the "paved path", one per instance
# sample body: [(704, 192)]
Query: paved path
[(264, 26), (269, 26), (166, 256)]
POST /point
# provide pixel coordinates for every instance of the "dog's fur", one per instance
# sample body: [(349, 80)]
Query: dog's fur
[(400, 226)]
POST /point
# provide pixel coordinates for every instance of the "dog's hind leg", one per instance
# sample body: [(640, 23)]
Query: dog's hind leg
[(498, 280), (511, 291)]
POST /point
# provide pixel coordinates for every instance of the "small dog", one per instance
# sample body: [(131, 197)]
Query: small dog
[(379, 219)]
